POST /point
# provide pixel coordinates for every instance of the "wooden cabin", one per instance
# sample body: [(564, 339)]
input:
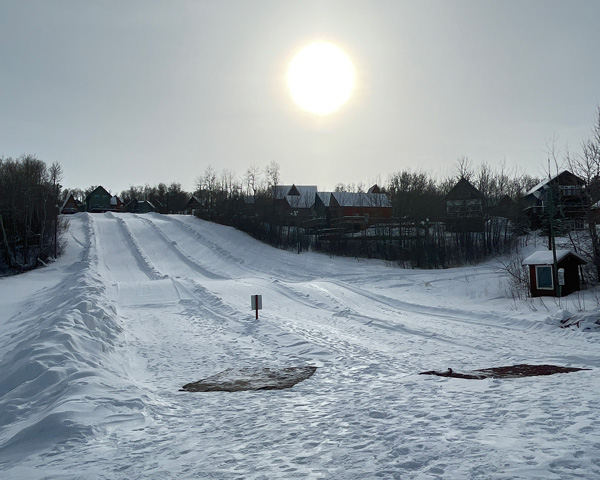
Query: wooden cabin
[(568, 194), (542, 275), (140, 206), (70, 205), (293, 204), (192, 205), (360, 209), (98, 200), (116, 204), (465, 205)]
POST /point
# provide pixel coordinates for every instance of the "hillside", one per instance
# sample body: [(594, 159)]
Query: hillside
[(96, 347)]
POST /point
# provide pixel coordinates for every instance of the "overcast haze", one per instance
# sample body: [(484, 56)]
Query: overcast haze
[(131, 92)]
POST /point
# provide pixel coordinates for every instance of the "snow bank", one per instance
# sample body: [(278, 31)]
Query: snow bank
[(60, 351)]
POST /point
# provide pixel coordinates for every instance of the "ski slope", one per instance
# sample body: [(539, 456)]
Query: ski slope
[(95, 347)]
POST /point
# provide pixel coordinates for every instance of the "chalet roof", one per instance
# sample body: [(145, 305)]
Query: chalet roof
[(281, 191), (297, 196), (551, 179), (301, 201), (348, 199), (325, 197), (545, 257), (464, 190), (70, 199), (99, 189)]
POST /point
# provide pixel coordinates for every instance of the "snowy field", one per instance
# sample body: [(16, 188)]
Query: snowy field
[(95, 347)]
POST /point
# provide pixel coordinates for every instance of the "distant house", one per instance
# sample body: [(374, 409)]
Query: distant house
[(140, 206), (465, 206), (70, 205), (98, 200), (116, 204), (542, 275), (293, 204), (568, 195), (321, 207), (192, 205), (359, 209), (506, 208)]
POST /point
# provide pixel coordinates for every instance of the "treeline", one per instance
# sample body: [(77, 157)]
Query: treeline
[(416, 235), (29, 224), (166, 198)]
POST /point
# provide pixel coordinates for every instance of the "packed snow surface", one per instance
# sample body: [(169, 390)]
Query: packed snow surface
[(96, 347)]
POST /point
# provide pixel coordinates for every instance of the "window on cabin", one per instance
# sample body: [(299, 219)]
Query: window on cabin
[(576, 224), (543, 275), (570, 190), (464, 208)]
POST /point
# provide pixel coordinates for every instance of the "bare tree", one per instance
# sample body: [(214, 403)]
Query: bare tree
[(587, 166), (464, 168), (251, 180), (272, 172), (27, 192)]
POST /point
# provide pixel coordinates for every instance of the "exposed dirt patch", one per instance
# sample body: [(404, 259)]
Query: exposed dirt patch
[(512, 371), (237, 380)]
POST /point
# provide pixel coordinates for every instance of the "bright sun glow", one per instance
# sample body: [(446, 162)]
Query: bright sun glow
[(321, 78)]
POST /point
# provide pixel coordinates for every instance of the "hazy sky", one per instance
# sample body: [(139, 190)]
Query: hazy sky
[(128, 92)]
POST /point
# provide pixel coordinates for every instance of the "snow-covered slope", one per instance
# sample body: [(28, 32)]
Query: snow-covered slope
[(95, 347)]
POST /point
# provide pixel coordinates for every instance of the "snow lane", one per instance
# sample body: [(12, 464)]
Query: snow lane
[(164, 253), (120, 260)]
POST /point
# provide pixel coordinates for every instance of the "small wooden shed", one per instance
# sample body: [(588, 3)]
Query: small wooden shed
[(541, 273)]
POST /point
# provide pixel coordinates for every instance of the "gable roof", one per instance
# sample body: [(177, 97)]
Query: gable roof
[(464, 190), (281, 191), (547, 181), (69, 200), (349, 199), (374, 189), (100, 189), (192, 202), (325, 198), (545, 257), (301, 201)]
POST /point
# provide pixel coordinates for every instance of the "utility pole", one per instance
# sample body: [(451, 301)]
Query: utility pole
[(550, 197), (56, 208)]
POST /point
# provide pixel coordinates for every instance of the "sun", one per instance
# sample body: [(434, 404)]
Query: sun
[(321, 78)]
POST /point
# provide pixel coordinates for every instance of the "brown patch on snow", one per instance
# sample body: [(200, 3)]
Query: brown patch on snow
[(512, 371), (237, 380)]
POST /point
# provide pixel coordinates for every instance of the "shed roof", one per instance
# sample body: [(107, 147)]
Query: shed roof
[(545, 257)]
